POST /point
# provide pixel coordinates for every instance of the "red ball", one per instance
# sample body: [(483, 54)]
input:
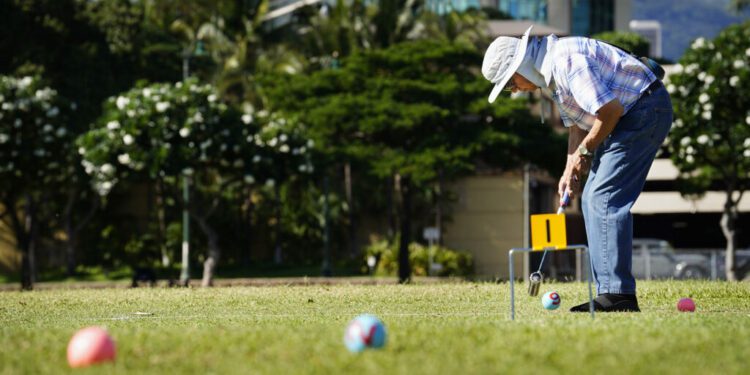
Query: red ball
[(686, 305), (90, 346)]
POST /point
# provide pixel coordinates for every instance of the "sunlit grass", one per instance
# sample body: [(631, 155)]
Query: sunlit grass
[(459, 328)]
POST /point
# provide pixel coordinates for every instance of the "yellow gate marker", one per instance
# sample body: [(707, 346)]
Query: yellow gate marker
[(548, 232)]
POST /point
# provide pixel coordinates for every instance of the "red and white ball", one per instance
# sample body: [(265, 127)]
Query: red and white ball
[(90, 346)]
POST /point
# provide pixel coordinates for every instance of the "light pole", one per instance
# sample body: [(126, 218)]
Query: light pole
[(185, 271)]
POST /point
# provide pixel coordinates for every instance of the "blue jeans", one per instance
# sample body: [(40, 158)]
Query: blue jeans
[(618, 173)]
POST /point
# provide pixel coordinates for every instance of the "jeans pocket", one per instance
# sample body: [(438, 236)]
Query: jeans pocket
[(635, 125)]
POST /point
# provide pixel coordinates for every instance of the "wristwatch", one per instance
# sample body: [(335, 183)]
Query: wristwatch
[(583, 151)]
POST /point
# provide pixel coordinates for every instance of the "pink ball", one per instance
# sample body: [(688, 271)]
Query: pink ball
[(686, 305), (90, 346)]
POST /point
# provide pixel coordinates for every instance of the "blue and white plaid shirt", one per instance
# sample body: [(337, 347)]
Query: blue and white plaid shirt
[(588, 74)]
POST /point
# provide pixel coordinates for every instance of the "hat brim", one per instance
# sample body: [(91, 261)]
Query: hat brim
[(518, 56)]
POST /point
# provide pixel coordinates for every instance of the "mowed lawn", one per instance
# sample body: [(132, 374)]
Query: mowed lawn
[(452, 328)]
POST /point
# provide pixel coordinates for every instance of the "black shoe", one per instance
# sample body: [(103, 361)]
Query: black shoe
[(611, 303)]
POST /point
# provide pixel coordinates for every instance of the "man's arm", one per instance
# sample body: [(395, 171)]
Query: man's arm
[(606, 120)]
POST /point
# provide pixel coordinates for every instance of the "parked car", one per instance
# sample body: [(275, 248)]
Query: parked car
[(741, 261), (656, 259)]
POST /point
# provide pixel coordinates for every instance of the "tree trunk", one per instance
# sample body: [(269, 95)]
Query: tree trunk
[(728, 222), (390, 203), (350, 202), (439, 208), (161, 235), (28, 247), (404, 268), (248, 207), (214, 252), (277, 254)]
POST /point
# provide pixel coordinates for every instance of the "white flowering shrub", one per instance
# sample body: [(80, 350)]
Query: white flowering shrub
[(34, 135), (164, 130), (710, 137)]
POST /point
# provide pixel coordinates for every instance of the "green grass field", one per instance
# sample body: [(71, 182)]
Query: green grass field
[(458, 328)]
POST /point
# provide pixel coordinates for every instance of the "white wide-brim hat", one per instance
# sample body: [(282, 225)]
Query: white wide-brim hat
[(503, 57)]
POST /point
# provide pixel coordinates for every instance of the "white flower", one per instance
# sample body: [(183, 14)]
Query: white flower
[(249, 179), (122, 102), (708, 107), (7, 106), (310, 143), (684, 91), (18, 123), (198, 117), (47, 128), (747, 52), (703, 98), (73, 106), (147, 92), (187, 171), (270, 182), (706, 115), (671, 88), (747, 120), (677, 68), (746, 153), (128, 139), (107, 169), (123, 159), (184, 132), (211, 98), (39, 152), (702, 76), (162, 106), (709, 80), (3, 138), (738, 64), (53, 112), (698, 43), (678, 123), (113, 125), (206, 144), (61, 132), (284, 148), (104, 188), (733, 81), (272, 142), (256, 159), (690, 159), (24, 82), (282, 138), (247, 118), (702, 139), (685, 141), (239, 163), (747, 142), (81, 150), (302, 150)]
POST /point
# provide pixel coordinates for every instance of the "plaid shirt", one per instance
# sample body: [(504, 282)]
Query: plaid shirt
[(589, 74)]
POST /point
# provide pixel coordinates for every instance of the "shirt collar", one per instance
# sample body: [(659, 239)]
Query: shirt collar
[(546, 69)]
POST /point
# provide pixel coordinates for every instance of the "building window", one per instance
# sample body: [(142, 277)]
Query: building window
[(534, 10), (590, 17)]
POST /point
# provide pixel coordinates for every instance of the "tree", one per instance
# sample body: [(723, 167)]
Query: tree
[(632, 42), (164, 131), (35, 160), (414, 113), (710, 139)]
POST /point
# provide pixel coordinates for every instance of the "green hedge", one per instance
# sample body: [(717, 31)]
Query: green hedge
[(451, 262)]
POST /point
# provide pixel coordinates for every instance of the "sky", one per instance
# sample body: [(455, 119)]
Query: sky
[(685, 20)]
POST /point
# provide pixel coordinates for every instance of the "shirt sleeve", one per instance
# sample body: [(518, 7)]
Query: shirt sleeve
[(586, 85)]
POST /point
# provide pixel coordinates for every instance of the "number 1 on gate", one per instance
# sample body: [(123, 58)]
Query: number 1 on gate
[(548, 232)]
